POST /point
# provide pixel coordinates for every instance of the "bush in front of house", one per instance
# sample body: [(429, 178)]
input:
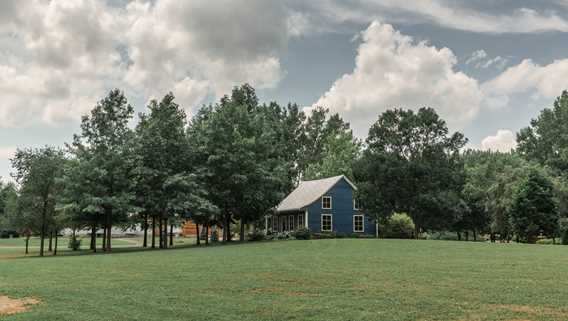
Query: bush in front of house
[(256, 235), (399, 226), (302, 234)]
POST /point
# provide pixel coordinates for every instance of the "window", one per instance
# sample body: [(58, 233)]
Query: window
[(291, 222), (356, 204), (326, 202), (300, 220), (358, 223), (275, 224), (326, 223)]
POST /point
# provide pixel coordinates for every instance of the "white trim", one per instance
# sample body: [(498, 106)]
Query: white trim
[(330, 202), (330, 221), (306, 219), (300, 217), (355, 208), (362, 223)]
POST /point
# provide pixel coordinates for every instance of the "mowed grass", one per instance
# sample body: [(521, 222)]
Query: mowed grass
[(342, 279), (15, 247)]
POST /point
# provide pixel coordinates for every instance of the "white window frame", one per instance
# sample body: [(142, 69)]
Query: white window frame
[(362, 223), (355, 207), (330, 203), (330, 222), (301, 222)]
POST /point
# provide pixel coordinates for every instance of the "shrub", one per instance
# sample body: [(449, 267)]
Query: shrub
[(326, 235), (563, 227), (256, 235), (399, 226), (74, 243), (302, 234)]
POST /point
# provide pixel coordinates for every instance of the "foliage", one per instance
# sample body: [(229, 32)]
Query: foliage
[(563, 228), (74, 243), (534, 211), (545, 140), (399, 226), (413, 165), (256, 235), (302, 234)]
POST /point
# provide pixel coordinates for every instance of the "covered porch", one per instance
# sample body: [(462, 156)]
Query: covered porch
[(286, 221)]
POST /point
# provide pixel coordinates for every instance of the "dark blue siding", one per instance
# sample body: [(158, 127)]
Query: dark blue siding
[(342, 211)]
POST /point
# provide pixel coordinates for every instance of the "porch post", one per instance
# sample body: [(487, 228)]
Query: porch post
[(306, 219)]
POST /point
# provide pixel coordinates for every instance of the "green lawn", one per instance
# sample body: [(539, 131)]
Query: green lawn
[(343, 279), (15, 247)]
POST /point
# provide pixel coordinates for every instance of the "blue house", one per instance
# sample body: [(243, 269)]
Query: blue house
[(323, 205)]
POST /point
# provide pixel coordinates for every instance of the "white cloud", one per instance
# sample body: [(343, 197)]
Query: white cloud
[(441, 12), (503, 141), (476, 56), (393, 71), (59, 57), (527, 77), (479, 59)]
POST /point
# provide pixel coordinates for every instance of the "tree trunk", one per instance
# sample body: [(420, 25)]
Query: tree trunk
[(492, 237), (553, 240), (109, 231), (416, 232), (93, 246), (160, 227), (227, 227), (197, 236), (153, 231), (474, 235), (27, 243), (166, 233), (206, 234), (50, 246), (55, 249), (466, 236), (42, 232), (242, 236), (459, 235), (104, 238), (171, 235), (145, 244)]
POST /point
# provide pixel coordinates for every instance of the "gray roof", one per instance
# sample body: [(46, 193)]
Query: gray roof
[(308, 192)]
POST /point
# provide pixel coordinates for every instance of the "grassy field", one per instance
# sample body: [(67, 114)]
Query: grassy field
[(15, 247), (343, 279)]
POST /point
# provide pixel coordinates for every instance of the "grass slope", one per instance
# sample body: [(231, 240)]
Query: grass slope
[(299, 280)]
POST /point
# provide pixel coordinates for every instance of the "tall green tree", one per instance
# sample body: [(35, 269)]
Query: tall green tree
[(545, 140), (103, 150), (412, 165), (163, 160), (534, 210), (240, 156), (36, 172)]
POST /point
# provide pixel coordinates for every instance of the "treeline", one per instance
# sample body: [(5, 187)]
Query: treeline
[(236, 159), (232, 163)]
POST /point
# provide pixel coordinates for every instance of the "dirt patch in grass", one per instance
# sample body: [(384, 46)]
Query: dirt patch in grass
[(11, 306)]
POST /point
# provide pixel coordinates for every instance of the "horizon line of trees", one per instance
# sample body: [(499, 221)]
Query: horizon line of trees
[(236, 159)]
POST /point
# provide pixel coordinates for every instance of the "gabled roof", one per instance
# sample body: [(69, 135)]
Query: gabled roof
[(308, 192)]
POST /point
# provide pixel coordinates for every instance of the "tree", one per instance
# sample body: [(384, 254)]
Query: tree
[(328, 147), (545, 140), (534, 211), (36, 171), (241, 158), (103, 151), (163, 162), (412, 165)]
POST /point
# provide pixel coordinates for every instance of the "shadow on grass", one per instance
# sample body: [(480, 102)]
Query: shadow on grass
[(123, 250)]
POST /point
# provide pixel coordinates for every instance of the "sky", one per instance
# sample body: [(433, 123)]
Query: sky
[(487, 67)]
